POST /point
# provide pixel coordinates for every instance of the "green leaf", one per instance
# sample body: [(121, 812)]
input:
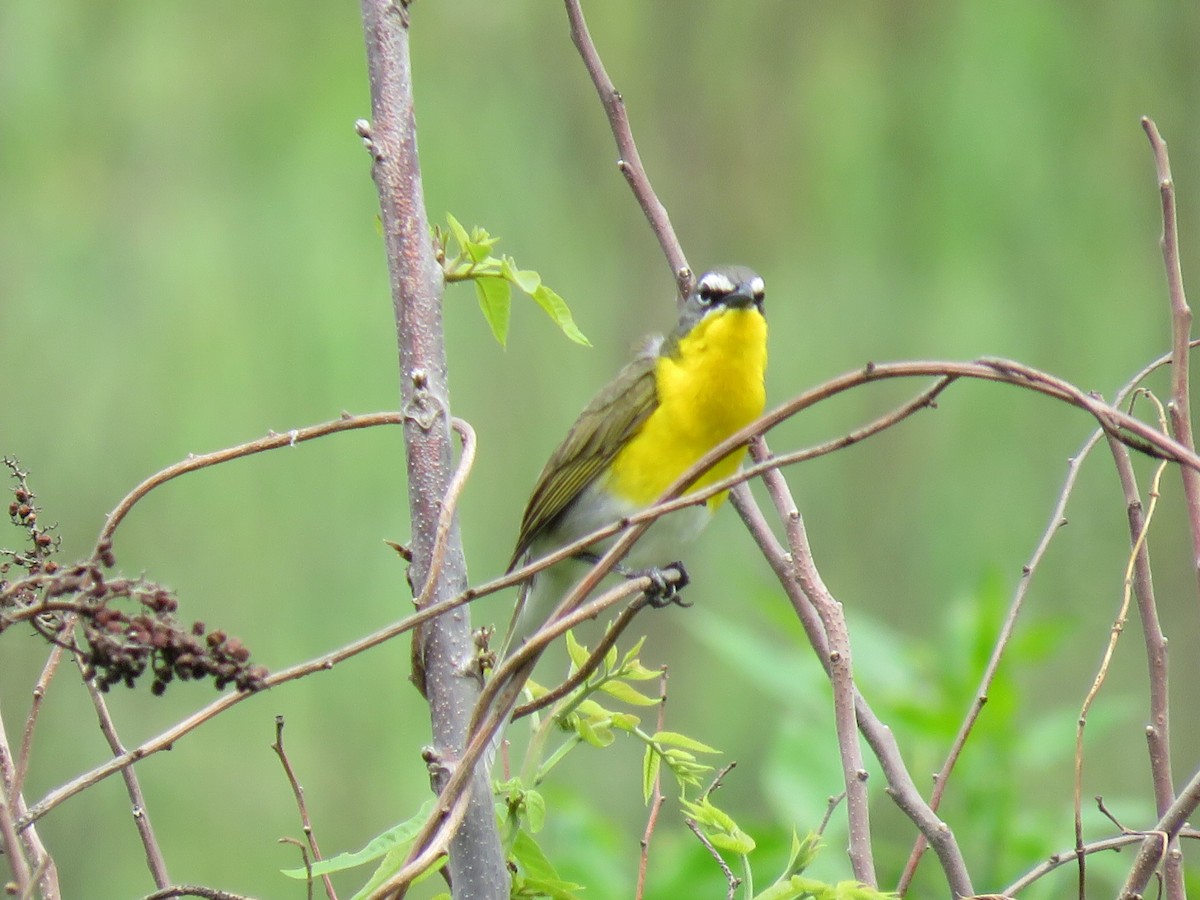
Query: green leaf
[(719, 826), (396, 837), (785, 890), (495, 299), (527, 280), (530, 857), (625, 721), (535, 811), (651, 762), (537, 876), (578, 653), (560, 313), (593, 710), (804, 851), (682, 740), (393, 863), (598, 733), (460, 233), (630, 658), (610, 659), (627, 694), (472, 260)]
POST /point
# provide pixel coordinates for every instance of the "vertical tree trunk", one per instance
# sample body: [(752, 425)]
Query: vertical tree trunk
[(444, 649)]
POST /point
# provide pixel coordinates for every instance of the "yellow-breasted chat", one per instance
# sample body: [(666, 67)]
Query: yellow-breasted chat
[(679, 398)]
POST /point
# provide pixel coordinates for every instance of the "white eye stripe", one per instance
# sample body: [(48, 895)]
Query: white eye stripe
[(758, 287), (714, 284)]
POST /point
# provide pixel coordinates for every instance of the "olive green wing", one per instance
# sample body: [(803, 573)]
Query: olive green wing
[(602, 429)]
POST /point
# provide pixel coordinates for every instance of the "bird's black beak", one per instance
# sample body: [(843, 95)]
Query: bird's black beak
[(747, 294)]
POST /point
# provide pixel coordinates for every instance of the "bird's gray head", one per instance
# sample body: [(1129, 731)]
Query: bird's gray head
[(732, 287)]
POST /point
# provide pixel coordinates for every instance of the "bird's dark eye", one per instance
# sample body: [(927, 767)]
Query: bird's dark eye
[(712, 286)]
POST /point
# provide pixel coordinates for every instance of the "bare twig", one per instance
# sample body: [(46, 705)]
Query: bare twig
[(1158, 730), (1063, 857), (305, 822), (12, 846), (838, 659), (656, 795), (23, 847), (194, 890), (426, 612), (1180, 408), (307, 861), (1138, 562), (271, 442), (1113, 420), (718, 780), (1179, 411), (611, 634), (731, 880), (1056, 521), (832, 805), (1157, 840), (35, 707), (883, 743), (141, 816), (629, 161), (493, 709)]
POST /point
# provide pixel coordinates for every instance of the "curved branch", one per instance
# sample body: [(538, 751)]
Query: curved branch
[(629, 162), (272, 441), (1056, 521)]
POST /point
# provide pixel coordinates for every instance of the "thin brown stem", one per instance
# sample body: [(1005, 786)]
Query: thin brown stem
[(611, 634), (1179, 411), (155, 860), (1158, 732), (426, 612), (1057, 520), (13, 850), (901, 787), (1137, 553), (656, 795), (495, 704), (310, 836), (194, 890), (732, 881), (35, 708), (272, 441), (841, 675), (31, 864), (629, 161), (1061, 858), (1156, 843), (1180, 407), (1111, 418)]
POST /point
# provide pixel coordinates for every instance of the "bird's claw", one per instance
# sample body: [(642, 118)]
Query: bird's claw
[(664, 591)]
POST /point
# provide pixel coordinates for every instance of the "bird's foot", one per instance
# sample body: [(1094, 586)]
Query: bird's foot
[(664, 590)]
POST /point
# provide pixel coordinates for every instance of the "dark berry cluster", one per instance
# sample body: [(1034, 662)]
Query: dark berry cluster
[(128, 626), (122, 647), (23, 513)]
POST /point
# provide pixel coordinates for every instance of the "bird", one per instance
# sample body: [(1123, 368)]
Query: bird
[(677, 399)]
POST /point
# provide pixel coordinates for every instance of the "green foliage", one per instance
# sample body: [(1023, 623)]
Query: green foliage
[(523, 812), (793, 885), (390, 848), (471, 259)]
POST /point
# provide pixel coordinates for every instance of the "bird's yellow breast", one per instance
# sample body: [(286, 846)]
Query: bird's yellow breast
[(710, 386)]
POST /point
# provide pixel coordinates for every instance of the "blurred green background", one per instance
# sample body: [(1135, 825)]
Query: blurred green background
[(189, 256)]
